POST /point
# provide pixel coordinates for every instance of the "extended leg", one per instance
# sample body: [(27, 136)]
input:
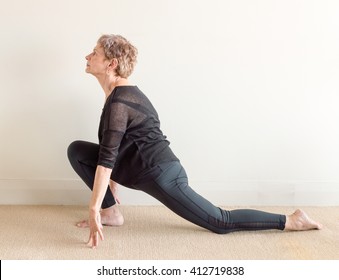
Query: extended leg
[(172, 189)]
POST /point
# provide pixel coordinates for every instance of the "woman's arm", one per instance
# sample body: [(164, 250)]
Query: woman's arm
[(101, 181), (114, 125)]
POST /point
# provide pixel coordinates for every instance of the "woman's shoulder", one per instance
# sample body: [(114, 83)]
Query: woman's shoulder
[(125, 91), (131, 97), (129, 94)]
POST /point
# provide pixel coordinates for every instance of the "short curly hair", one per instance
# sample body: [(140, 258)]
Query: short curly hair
[(116, 46)]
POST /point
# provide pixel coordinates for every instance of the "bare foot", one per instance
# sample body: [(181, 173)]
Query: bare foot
[(109, 217), (300, 221)]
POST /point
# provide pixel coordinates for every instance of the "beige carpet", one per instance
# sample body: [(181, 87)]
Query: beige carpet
[(153, 232)]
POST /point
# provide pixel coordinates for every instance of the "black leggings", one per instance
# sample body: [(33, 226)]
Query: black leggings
[(169, 185)]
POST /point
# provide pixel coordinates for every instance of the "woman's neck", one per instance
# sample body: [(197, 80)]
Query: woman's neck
[(108, 83)]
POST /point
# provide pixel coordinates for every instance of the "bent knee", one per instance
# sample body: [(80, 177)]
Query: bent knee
[(81, 150), (73, 149)]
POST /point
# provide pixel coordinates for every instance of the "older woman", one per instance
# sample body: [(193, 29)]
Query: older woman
[(133, 152)]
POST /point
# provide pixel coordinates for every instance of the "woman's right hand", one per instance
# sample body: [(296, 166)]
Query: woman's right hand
[(95, 229)]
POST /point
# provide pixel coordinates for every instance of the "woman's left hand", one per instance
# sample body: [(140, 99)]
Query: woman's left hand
[(95, 228)]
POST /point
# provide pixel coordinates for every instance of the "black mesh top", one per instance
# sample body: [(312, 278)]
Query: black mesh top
[(130, 138)]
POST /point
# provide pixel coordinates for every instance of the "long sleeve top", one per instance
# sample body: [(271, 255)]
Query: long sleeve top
[(130, 138)]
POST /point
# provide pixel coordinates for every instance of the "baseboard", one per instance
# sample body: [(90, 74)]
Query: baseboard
[(73, 192)]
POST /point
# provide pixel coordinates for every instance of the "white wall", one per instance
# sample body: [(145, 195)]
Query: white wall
[(247, 92)]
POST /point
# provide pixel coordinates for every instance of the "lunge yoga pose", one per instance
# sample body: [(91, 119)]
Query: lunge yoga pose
[(133, 152)]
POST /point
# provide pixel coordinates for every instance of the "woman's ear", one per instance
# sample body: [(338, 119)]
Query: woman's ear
[(113, 64)]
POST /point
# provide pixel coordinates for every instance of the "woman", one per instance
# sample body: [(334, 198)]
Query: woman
[(133, 152)]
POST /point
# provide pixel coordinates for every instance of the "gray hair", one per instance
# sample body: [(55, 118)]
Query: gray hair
[(116, 46)]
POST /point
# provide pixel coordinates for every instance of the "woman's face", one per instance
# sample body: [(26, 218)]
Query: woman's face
[(96, 61)]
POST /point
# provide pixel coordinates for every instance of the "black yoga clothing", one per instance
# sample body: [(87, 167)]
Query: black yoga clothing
[(130, 138), (168, 183), (132, 144)]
